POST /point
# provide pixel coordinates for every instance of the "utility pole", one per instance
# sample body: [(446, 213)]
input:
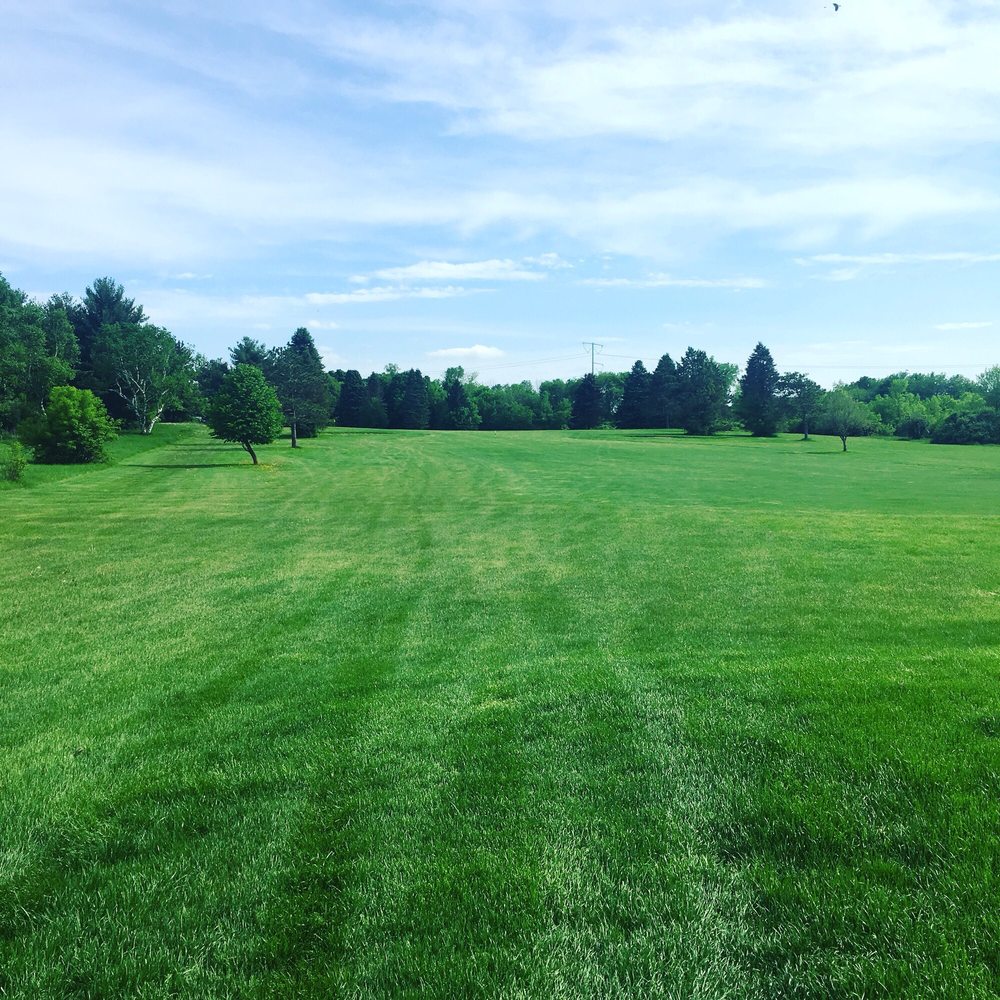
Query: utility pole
[(592, 348)]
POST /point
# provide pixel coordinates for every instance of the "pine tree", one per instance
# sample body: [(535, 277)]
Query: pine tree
[(351, 405), (587, 403), (414, 410), (303, 386), (702, 391), (634, 410), (758, 406), (663, 393)]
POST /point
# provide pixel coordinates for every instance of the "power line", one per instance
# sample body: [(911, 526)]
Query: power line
[(592, 347)]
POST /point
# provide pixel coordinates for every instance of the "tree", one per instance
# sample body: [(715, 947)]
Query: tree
[(249, 352), (38, 351), (245, 410), (703, 386), (662, 399), (74, 428), (302, 385), (844, 416), (104, 304), (587, 403), (634, 410), (414, 409), (802, 397), (351, 405), (145, 367), (988, 385), (758, 407), (463, 414)]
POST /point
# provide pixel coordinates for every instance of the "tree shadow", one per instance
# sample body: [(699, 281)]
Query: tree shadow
[(191, 465)]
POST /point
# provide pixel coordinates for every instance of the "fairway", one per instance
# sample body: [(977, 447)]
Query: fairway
[(535, 715)]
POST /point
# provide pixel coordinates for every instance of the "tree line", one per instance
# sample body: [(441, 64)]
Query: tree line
[(72, 371)]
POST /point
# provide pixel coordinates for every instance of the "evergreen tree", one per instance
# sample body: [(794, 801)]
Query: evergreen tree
[(249, 352), (245, 410), (587, 403), (702, 391), (758, 406), (374, 412), (104, 304), (352, 400), (463, 414), (634, 410), (663, 393), (303, 386), (414, 409)]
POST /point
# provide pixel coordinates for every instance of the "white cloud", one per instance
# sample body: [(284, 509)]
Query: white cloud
[(482, 270), (320, 324), (478, 352), (896, 259), (388, 293), (668, 281), (963, 326)]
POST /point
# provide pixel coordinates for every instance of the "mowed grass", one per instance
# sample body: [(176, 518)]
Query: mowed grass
[(503, 715)]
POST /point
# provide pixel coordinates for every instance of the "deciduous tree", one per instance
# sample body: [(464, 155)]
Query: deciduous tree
[(245, 410)]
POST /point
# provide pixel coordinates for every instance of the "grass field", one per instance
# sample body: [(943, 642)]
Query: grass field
[(502, 715)]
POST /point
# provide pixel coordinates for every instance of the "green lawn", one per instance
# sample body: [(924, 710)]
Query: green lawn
[(503, 715)]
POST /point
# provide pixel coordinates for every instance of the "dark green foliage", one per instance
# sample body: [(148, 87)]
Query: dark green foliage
[(413, 412), (844, 416), (462, 412), (104, 304), (145, 368), (38, 351), (988, 386), (353, 397), (758, 407), (802, 399), (703, 386), (245, 410), (588, 404), (209, 375), (249, 352), (75, 428), (635, 409), (663, 393), (302, 385), (968, 428)]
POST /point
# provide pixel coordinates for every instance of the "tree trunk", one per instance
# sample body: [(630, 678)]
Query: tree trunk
[(249, 448), (843, 441), (295, 434), (805, 428)]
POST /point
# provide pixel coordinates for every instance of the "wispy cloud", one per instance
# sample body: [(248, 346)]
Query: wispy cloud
[(478, 352), (389, 293), (899, 259), (964, 326), (668, 281), (481, 270)]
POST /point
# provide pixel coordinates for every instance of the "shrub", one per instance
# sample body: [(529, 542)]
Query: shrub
[(915, 426), (14, 463), (968, 428), (73, 429)]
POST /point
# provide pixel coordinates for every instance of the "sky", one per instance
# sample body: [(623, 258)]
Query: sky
[(496, 184)]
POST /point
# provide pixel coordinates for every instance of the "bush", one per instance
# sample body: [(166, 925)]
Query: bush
[(73, 429), (915, 426), (14, 463), (968, 428)]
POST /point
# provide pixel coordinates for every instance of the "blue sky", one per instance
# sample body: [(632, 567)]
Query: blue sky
[(494, 184)]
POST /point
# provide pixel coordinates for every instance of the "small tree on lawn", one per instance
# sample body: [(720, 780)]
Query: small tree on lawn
[(844, 416), (73, 429), (245, 410), (302, 385)]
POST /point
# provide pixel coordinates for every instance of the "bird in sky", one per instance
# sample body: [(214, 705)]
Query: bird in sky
[(836, 7)]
